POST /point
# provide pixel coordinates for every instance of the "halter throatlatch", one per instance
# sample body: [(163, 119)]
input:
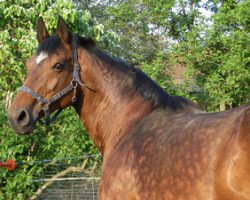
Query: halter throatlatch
[(45, 103)]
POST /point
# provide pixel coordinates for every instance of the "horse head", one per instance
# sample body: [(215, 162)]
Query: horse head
[(51, 81)]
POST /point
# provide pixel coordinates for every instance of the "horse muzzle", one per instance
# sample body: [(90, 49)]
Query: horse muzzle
[(22, 120)]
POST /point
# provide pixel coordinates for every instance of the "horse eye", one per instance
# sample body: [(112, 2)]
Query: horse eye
[(58, 67)]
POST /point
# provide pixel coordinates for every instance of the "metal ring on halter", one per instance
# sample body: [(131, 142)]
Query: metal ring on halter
[(45, 104), (74, 85)]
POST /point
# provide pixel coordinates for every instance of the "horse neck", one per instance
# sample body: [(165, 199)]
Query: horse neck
[(108, 112)]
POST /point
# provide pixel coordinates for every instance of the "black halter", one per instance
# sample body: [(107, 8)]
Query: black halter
[(45, 103)]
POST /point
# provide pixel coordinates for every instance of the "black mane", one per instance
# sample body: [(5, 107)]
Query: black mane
[(147, 88), (141, 83)]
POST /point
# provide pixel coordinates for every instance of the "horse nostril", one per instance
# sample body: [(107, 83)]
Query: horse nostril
[(23, 117)]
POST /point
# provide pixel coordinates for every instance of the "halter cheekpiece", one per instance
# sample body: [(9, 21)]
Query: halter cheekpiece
[(45, 103)]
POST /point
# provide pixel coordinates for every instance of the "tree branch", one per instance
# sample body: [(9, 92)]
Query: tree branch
[(58, 175)]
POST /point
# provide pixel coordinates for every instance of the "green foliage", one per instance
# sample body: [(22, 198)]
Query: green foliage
[(156, 69), (218, 61), (67, 137)]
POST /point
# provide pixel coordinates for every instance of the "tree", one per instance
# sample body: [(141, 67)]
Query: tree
[(217, 56), (140, 25)]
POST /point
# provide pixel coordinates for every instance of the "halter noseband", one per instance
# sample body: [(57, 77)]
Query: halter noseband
[(45, 103)]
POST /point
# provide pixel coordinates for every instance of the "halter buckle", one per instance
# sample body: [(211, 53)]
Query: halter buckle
[(45, 104), (74, 85)]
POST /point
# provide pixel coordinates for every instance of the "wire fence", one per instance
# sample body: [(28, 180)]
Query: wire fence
[(68, 178)]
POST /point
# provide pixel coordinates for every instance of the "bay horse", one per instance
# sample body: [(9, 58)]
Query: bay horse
[(155, 146)]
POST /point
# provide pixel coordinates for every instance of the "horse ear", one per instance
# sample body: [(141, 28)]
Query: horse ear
[(62, 31), (42, 32)]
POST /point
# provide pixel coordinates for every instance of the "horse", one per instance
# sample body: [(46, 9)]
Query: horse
[(155, 146)]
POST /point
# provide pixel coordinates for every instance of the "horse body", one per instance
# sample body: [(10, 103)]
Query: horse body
[(154, 146), (170, 157)]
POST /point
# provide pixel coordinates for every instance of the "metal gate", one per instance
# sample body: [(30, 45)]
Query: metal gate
[(69, 179)]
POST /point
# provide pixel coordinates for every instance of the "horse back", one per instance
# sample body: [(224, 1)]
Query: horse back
[(207, 155), (178, 155)]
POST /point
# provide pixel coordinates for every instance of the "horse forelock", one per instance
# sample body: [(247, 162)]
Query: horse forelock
[(50, 45)]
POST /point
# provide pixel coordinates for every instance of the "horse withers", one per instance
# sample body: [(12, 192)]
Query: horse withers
[(155, 146)]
